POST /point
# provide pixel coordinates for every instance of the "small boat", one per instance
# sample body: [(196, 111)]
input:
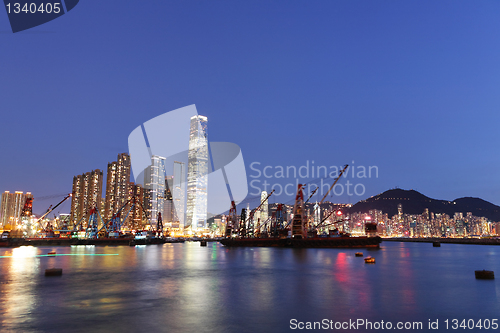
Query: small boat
[(485, 275), (358, 254), (369, 260), (52, 253), (53, 272)]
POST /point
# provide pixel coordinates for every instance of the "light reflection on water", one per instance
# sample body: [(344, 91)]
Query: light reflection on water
[(187, 288)]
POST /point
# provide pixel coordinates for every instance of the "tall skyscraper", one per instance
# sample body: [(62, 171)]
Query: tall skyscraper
[(197, 173), (154, 188), (317, 214), (11, 207), (178, 196), (264, 209), (117, 186), (87, 193), (168, 206)]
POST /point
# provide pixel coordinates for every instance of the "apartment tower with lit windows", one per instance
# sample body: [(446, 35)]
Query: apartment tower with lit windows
[(11, 207), (87, 193), (117, 186)]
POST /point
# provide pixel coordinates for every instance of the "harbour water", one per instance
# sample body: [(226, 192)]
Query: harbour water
[(188, 288)]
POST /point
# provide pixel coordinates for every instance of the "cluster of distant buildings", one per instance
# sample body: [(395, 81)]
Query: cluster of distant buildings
[(427, 224), (180, 201), (11, 207), (160, 196)]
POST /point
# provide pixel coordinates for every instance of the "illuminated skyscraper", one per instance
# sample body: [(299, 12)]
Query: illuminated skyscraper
[(11, 207), (154, 188), (168, 206), (117, 185), (264, 209), (178, 196), (197, 173), (87, 193), (136, 214), (317, 214)]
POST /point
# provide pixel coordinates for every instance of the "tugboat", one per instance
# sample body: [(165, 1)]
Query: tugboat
[(4, 239)]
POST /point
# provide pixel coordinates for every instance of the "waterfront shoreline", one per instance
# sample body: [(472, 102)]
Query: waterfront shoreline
[(473, 241), (15, 242)]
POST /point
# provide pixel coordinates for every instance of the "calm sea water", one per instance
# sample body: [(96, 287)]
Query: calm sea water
[(188, 288)]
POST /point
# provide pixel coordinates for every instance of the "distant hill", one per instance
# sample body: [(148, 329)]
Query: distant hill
[(415, 203)]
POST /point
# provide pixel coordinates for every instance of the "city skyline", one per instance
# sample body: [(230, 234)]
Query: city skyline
[(410, 88), (249, 166), (90, 185)]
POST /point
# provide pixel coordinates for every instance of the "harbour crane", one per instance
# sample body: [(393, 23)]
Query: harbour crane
[(38, 222), (334, 182), (231, 220), (311, 195), (256, 209), (302, 232)]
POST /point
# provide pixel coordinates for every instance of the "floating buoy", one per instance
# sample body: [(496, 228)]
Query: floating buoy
[(203, 243), (369, 260), (52, 253), (485, 275), (358, 254), (436, 244), (53, 272)]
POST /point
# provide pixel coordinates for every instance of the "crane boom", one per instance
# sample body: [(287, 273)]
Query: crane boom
[(326, 218), (51, 209), (335, 182), (311, 195), (261, 203), (256, 209)]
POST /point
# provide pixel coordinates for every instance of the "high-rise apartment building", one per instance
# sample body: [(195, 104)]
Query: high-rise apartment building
[(137, 213), (11, 207), (87, 193), (117, 186), (196, 215), (178, 194), (154, 188)]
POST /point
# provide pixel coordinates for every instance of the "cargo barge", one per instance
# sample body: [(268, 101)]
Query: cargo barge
[(313, 242), (298, 232)]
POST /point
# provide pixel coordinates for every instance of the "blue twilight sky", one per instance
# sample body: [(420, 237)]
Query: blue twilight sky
[(411, 87)]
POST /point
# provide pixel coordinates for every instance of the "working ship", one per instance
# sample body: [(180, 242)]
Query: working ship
[(297, 233), (345, 241), (91, 229)]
